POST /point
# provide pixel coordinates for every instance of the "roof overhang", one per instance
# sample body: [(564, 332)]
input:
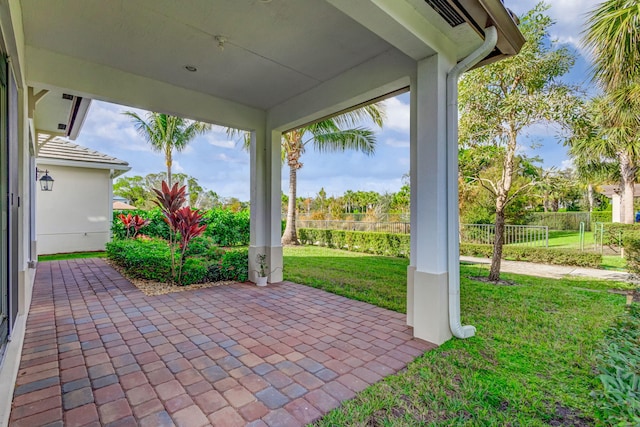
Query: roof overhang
[(251, 58)]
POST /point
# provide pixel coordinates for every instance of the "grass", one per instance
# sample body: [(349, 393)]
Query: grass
[(71, 255), (531, 362)]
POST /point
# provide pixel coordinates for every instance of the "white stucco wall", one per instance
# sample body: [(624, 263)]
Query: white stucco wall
[(616, 200), (74, 217)]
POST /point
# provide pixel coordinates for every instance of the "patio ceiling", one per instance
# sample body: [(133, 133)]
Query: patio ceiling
[(275, 50)]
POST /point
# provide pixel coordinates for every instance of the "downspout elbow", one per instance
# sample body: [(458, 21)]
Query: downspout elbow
[(491, 38)]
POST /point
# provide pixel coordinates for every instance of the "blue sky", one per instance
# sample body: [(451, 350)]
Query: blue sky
[(220, 165)]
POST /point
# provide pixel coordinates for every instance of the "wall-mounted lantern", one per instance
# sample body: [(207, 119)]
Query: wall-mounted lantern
[(46, 182)]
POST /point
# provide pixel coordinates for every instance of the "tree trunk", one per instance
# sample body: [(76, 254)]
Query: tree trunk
[(590, 196), (496, 260), (290, 236), (169, 164), (502, 198)]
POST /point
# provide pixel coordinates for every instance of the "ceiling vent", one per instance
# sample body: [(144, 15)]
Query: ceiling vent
[(448, 13), (62, 126), (67, 96)]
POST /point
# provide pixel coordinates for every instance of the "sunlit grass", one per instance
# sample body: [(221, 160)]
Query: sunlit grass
[(71, 255), (531, 362)]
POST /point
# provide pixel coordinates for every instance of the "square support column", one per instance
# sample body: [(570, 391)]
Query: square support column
[(266, 202), (428, 273)]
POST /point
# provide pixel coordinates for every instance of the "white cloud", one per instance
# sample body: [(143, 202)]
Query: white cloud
[(397, 143), (567, 164), (398, 115), (176, 167), (569, 17)]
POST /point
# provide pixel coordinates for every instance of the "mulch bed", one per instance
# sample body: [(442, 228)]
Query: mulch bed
[(152, 288)]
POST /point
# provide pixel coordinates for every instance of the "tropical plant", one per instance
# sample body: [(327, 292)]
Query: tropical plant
[(500, 100), (184, 224), (613, 41), (133, 224), (167, 133), (339, 133)]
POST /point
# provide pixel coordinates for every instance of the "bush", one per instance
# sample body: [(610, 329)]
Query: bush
[(389, 244), (142, 259), (151, 260), (235, 265), (618, 361), (224, 227), (615, 233), (539, 255), (227, 228), (631, 244), (601, 216)]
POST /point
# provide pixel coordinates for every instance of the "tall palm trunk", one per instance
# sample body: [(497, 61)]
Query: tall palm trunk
[(290, 236), (169, 161), (590, 196)]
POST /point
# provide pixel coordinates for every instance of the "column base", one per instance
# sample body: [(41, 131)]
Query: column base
[(411, 270), (274, 261), (431, 307)]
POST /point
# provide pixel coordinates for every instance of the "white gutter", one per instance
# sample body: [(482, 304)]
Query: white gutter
[(490, 40)]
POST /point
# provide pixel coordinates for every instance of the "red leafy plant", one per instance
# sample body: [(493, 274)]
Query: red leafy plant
[(133, 224), (184, 223)]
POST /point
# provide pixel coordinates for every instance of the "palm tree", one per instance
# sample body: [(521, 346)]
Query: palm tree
[(326, 136), (167, 133), (613, 39)]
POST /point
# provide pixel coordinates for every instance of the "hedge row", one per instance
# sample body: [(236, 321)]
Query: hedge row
[(389, 244), (150, 259), (615, 233), (540, 255), (399, 245), (224, 227)]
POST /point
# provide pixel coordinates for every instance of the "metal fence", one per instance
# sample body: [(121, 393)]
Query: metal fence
[(523, 235), (385, 227)]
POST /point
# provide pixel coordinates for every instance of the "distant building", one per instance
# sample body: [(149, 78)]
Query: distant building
[(614, 192), (76, 215)]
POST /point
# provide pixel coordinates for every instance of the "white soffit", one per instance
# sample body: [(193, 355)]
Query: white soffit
[(273, 51)]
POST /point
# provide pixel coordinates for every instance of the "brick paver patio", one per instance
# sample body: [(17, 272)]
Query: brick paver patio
[(99, 352)]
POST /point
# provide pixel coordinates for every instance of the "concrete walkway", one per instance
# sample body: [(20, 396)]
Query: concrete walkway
[(551, 271)]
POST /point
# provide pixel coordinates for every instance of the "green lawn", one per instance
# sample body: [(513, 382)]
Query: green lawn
[(531, 362), (71, 255)]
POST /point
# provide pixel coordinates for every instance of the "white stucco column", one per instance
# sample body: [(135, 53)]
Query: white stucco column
[(427, 276), (616, 201), (265, 193)]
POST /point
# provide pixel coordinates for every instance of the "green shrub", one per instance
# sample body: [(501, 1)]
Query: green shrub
[(157, 226), (194, 270), (224, 227), (539, 255), (618, 362), (143, 259), (227, 228), (235, 265), (601, 216), (205, 247), (389, 244), (615, 233), (151, 260)]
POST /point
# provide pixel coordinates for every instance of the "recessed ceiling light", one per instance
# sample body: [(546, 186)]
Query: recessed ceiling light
[(190, 68), (264, 1)]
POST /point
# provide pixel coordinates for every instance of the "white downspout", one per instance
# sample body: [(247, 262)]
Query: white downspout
[(490, 40)]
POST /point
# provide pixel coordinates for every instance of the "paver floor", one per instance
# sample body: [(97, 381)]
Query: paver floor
[(99, 352)]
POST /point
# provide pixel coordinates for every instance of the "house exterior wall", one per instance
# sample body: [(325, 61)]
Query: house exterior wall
[(75, 216), (616, 201)]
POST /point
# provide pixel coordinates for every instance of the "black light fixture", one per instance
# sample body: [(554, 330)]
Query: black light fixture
[(46, 182)]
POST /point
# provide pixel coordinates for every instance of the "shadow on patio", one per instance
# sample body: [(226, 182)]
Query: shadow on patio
[(98, 351)]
